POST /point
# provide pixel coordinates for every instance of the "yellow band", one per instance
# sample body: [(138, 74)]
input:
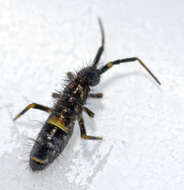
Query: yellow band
[(56, 122), (39, 161), (109, 64)]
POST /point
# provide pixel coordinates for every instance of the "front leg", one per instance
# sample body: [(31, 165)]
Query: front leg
[(56, 95), (83, 131), (70, 75), (95, 95)]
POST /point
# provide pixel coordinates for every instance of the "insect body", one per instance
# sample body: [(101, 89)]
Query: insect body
[(69, 106)]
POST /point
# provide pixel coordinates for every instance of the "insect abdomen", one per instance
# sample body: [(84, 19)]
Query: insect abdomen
[(49, 144)]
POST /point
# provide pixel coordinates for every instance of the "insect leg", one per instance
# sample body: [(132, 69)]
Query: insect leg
[(101, 48), (116, 62), (70, 76), (88, 111), (35, 106), (83, 131), (96, 95), (56, 95)]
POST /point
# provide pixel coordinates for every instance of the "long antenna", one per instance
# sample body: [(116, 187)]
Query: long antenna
[(102, 31), (101, 48), (131, 59)]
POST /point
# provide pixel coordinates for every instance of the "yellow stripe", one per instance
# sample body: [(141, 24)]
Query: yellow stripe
[(109, 64), (39, 161), (56, 122)]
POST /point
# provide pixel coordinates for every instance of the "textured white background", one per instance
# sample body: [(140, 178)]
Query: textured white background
[(142, 124)]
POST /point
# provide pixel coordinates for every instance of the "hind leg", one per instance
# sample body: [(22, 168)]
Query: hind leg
[(34, 106), (83, 131)]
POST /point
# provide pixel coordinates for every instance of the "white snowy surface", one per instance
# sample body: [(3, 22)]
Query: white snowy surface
[(142, 124)]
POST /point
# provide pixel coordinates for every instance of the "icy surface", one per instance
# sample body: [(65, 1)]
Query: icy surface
[(142, 124)]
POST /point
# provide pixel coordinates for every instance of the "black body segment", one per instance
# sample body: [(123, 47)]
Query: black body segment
[(49, 144), (68, 108)]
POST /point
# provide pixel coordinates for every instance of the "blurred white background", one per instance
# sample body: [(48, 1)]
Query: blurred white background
[(142, 124)]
